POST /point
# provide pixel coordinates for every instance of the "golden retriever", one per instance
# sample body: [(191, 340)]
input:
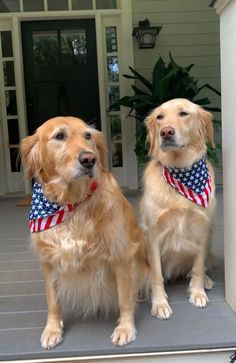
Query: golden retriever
[(95, 257), (177, 229)]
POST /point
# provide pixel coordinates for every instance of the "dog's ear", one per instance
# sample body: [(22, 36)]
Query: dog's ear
[(100, 143), (30, 155), (206, 126), (151, 133)]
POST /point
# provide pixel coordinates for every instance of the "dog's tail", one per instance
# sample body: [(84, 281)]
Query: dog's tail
[(143, 278), (211, 261)]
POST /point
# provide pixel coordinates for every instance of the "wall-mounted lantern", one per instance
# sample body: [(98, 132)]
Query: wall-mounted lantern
[(146, 34)]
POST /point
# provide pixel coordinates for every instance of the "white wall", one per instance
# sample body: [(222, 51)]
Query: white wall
[(190, 31)]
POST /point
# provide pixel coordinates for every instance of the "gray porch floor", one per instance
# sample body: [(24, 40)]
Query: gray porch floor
[(23, 305)]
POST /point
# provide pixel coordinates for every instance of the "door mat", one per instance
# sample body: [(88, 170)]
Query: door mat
[(24, 202)]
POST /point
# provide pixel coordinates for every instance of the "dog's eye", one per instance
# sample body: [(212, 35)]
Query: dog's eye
[(87, 135), (183, 113), (160, 117), (60, 136)]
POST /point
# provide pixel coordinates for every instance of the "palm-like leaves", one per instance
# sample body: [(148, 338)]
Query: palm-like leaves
[(168, 81)]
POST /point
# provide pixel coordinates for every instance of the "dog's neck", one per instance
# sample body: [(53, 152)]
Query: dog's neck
[(183, 158), (75, 192)]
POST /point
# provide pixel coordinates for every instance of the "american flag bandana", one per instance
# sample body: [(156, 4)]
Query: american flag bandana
[(45, 214), (193, 183)]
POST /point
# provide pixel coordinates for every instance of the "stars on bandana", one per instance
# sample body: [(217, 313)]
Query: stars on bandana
[(41, 207), (193, 183), (45, 214), (195, 178)]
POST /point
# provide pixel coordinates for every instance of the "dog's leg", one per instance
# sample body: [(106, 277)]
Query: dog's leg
[(53, 331), (125, 332), (198, 296), (160, 307)]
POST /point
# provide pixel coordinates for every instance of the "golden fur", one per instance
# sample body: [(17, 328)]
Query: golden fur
[(95, 258), (177, 229)]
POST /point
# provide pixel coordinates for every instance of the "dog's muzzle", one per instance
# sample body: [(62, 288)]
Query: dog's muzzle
[(168, 137), (87, 161)]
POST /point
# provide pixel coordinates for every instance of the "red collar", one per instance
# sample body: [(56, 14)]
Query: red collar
[(93, 186), (92, 189)]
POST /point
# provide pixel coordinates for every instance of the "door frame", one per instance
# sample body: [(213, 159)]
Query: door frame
[(8, 179), (122, 17)]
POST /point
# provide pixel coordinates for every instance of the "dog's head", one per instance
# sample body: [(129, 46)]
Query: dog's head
[(64, 149), (179, 129)]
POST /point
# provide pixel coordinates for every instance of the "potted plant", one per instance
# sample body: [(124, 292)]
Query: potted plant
[(168, 81)]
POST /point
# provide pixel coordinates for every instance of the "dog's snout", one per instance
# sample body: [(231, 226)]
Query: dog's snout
[(167, 132), (87, 159)]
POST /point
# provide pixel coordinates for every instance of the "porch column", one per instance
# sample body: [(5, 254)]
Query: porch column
[(227, 11)]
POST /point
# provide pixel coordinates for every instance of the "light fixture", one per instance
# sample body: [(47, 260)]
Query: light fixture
[(146, 34)]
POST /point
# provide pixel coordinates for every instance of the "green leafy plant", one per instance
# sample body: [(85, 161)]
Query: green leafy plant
[(168, 81)]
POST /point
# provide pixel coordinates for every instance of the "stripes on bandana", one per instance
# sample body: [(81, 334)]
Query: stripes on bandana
[(194, 183), (45, 214)]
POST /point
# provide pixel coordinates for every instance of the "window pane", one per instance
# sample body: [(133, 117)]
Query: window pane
[(111, 39), (58, 5), (13, 131), (73, 46), (6, 44), (106, 4), (114, 95), (32, 5), (116, 152), (82, 4), (45, 48), (9, 6), (115, 127), (113, 69), (15, 160), (9, 76), (11, 103)]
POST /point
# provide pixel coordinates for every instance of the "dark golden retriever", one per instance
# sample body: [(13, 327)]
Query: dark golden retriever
[(91, 248)]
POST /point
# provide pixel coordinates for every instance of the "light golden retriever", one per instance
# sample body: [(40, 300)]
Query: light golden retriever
[(95, 257), (177, 229)]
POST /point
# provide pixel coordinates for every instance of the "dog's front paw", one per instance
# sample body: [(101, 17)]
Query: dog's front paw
[(161, 309), (123, 334), (51, 337), (198, 298)]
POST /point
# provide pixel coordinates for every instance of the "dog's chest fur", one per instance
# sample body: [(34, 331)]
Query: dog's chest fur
[(83, 251), (81, 241), (180, 225)]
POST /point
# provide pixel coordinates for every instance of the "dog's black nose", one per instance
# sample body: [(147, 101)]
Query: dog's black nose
[(87, 159), (167, 132)]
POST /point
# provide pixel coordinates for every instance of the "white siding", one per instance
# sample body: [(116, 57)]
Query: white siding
[(190, 31)]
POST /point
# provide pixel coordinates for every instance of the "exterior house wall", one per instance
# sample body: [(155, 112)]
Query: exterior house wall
[(190, 31)]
